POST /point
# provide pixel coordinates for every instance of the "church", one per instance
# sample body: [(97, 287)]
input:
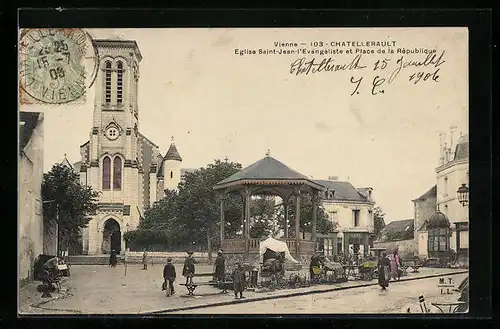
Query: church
[(118, 160)]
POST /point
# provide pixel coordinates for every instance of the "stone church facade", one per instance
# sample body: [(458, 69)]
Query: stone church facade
[(118, 160)]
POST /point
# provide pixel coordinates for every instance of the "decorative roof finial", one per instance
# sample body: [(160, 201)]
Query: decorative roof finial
[(268, 153), (172, 139), (65, 155), (226, 159)]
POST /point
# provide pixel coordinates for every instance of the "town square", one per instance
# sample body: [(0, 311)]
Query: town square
[(192, 180)]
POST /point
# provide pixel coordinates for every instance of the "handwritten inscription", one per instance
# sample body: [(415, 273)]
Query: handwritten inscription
[(387, 70)]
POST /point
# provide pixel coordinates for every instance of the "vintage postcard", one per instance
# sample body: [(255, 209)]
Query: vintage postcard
[(225, 170)]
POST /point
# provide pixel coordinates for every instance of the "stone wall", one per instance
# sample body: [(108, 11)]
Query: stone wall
[(30, 215)]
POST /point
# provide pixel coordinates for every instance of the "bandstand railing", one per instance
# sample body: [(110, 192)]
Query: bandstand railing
[(239, 245)]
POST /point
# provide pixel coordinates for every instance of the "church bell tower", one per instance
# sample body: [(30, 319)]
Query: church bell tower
[(113, 151)]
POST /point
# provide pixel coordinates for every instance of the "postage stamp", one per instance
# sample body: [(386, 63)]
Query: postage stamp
[(56, 66)]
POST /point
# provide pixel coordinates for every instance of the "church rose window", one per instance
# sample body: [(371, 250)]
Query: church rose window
[(119, 83), (108, 82), (106, 172), (117, 173)]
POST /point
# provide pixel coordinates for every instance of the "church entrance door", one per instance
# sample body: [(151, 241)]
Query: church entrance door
[(111, 237)]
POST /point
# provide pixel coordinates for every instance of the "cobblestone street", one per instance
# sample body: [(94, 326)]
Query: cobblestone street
[(397, 299), (97, 289)]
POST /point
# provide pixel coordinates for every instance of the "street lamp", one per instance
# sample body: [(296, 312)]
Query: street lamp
[(463, 195)]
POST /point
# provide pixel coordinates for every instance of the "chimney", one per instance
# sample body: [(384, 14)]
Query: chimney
[(441, 149), (333, 178), (446, 152), (452, 137)]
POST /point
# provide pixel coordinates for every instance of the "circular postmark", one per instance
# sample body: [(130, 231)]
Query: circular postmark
[(56, 66)]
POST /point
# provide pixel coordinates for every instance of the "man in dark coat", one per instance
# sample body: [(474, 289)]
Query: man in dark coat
[(169, 277), (238, 280), (220, 267), (188, 269), (384, 271), (112, 259)]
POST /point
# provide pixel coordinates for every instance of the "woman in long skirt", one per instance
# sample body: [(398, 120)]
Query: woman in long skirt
[(383, 271), (395, 264)]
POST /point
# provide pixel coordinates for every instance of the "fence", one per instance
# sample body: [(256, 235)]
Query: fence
[(167, 248)]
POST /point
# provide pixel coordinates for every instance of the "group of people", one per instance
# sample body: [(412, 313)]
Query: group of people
[(189, 269), (113, 259), (388, 267)]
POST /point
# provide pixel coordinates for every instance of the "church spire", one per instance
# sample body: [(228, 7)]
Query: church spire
[(172, 153)]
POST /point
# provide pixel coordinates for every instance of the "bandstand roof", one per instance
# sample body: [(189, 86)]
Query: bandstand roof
[(271, 173)]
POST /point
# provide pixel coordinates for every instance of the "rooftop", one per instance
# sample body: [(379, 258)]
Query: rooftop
[(119, 43), (28, 122), (268, 171), (431, 193), (343, 191), (400, 226)]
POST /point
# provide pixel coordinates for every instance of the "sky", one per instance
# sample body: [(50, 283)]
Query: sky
[(220, 104)]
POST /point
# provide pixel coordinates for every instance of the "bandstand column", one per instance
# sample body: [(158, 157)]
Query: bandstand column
[(247, 218), (221, 220), (285, 210), (297, 224), (314, 215)]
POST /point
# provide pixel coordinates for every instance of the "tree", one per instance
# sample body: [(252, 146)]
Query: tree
[(323, 224), (67, 202), (198, 206), (160, 224), (378, 221), (263, 212)]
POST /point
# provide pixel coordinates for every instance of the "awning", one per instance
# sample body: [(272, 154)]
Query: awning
[(276, 246)]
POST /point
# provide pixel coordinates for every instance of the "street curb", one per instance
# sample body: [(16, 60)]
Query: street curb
[(294, 294)]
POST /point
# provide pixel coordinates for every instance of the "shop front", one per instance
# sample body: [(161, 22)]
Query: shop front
[(357, 243), (462, 240)]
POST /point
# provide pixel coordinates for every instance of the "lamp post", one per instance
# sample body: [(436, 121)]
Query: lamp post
[(463, 198), (463, 195), (125, 256)]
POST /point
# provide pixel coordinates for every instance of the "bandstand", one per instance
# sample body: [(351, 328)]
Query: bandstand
[(269, 177)]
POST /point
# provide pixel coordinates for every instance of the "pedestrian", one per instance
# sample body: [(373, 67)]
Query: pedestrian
[(238, 280), (189, 269), (395, 264), (169, 277), (112, 258), (220, 267), (383, 266), (314, 265), (145, 260)]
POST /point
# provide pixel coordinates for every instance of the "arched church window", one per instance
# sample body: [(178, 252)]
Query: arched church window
[(119, 83), (107, 74), (117, 173), (106, 173), (171, 174)]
